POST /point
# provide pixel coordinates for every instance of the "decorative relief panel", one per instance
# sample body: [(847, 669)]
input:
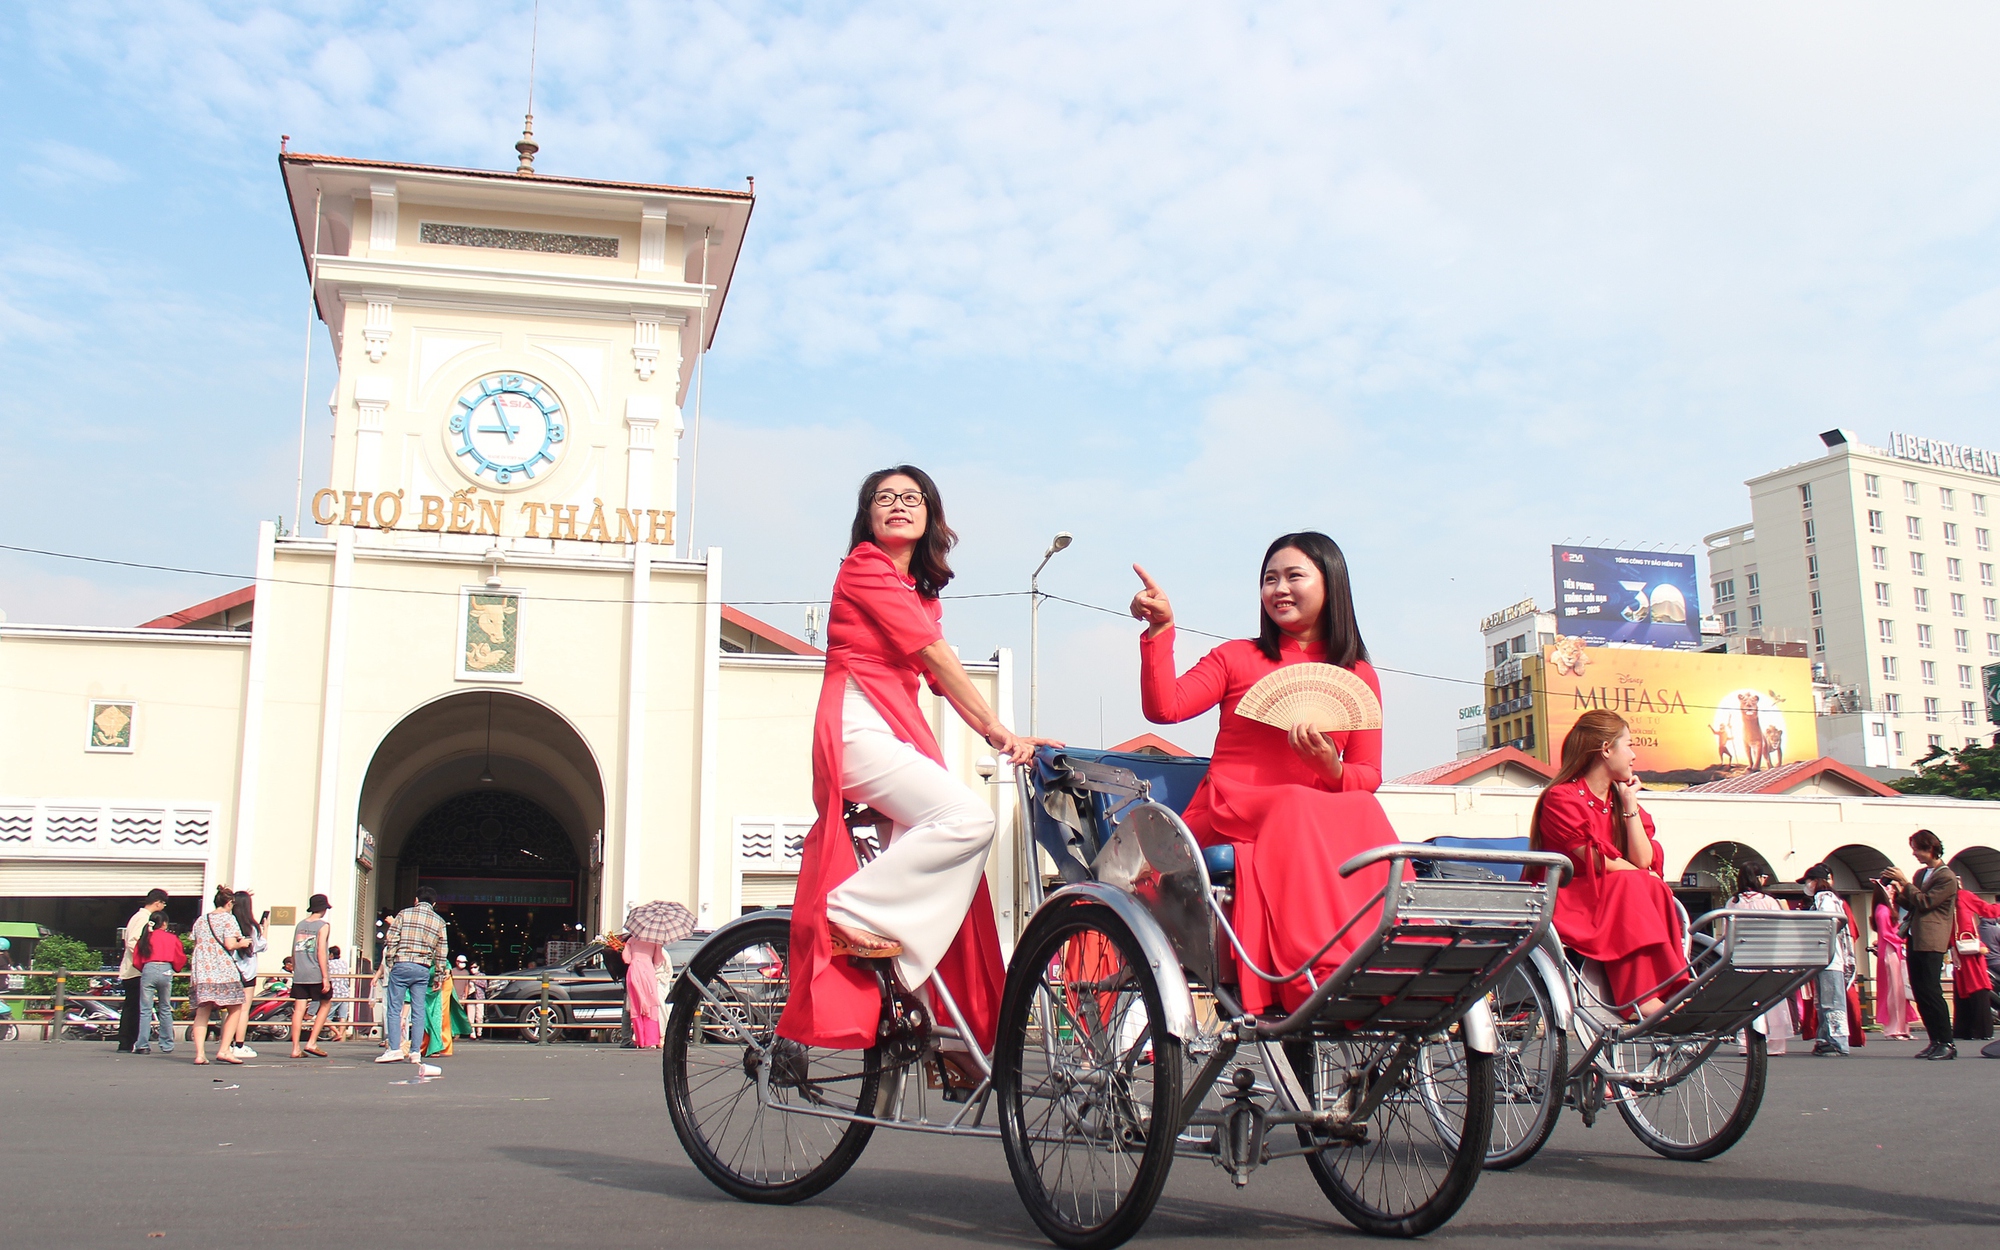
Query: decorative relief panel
[(519, 240), (68, 828)]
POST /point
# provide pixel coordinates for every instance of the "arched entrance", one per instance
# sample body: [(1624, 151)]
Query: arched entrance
[(495, 801)]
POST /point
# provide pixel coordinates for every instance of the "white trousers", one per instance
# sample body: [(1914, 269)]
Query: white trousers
[(920, 887)]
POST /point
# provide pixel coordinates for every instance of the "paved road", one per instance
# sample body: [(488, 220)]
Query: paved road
[(569, 1145)]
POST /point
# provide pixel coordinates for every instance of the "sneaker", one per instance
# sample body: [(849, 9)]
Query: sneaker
[(244, 1052), (391, 1056), (141, 1050), (166, 1050)]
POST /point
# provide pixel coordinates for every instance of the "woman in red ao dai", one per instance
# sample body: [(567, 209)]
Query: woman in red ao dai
[(1295, 805)]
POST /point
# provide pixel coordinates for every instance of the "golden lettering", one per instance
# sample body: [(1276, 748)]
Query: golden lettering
[(596, 525), (331, 498), (534, 512), (562, 517), (628, 525), (433, 519), (354, 506), (489, 516), (461, 511), (662, 527), (394, 513)]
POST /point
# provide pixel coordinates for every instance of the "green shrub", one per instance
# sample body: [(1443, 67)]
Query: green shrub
[(59, 952)]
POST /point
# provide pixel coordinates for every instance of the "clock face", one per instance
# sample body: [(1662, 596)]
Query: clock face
[(506, 428)]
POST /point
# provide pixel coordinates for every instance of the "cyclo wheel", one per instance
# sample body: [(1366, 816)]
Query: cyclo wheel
[(722, 1046), (1530, 1069), (1705, 1097), (1423, 1146), (1087, 1077)]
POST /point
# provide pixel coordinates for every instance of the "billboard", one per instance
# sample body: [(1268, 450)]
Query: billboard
[(1644, 597), (1695, 717)]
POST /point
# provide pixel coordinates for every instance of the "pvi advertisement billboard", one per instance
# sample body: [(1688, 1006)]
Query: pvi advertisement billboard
[(1694, 718), (1644, 597)]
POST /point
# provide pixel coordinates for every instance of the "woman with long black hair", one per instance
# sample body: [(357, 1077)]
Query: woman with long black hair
[(1295, 804), (922, 902)]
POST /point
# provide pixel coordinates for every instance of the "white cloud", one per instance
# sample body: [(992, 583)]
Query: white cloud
[(61, 165)]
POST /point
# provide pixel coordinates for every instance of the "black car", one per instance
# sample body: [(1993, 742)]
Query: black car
[(582, 992)]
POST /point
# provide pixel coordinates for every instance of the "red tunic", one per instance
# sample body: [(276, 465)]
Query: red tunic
[(1292, 828), (1969, 973), (1625, 919), (874, 629)]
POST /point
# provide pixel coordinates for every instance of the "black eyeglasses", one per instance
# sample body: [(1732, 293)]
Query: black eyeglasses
[(908, 498)]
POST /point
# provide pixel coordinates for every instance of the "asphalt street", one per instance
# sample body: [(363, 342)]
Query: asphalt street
[(569, 1145)]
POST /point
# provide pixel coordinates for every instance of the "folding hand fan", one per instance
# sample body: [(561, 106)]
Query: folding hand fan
[(1324, 696)]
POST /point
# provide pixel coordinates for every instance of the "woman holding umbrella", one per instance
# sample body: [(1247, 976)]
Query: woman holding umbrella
[(648, 930)]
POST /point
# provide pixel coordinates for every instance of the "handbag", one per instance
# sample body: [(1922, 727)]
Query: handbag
[(1967, 944)]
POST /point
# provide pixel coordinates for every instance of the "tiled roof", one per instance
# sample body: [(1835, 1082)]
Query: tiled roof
[(1457, 771), (769, 633), (1789, 777), (1151, 740), (200, 611)]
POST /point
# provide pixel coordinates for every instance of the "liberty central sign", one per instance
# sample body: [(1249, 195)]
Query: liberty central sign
[(1945, 455)]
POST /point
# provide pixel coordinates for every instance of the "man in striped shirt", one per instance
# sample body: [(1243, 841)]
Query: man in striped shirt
[(416, 944)]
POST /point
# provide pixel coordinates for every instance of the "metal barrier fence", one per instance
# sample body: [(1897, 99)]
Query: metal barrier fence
[(542, 1018)]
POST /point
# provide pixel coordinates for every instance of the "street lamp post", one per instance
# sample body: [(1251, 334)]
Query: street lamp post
[(1061, 541)]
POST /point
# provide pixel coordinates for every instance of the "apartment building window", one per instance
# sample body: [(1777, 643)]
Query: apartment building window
[(1916, 564), (1910, 494), (1924, 636), (1936, 741), (1885, 632), (1889, 668), (1993, 644), (1961, 641), (1819, 639), (1992, 607), (1979, 505), (1922, 598), (1985, 575), (1729, 622), (1930, 709), (1950, 534), (1811, 537), (1965, 677), (1927, 672), (1725, 590), (1879, 556), (1915, 526), (1750, 586), (1899, 742), (1812, 566), (1805, 494), (1958, 605), (1953, 570), (1983, 539), (1874, 521), (1968, 713), (1871, 485), (1945, 498), (1817, 606), (1756, 616), (1882, 594), (1892, 704)]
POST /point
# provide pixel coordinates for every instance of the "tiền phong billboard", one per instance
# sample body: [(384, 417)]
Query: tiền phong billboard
[(1695, 717), (1644, 597)]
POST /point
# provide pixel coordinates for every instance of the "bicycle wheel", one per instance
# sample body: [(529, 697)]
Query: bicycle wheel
[(730, 1078), (1087, 1077), (1414, 1161), (1529, 1070), (1697, 1096)]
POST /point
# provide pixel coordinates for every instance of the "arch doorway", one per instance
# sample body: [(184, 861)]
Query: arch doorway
[(495, 801)]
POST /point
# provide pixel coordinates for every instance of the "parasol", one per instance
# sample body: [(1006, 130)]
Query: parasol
[(659, 921)]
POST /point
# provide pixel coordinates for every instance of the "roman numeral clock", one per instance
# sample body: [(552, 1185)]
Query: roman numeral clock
[(507, 425)]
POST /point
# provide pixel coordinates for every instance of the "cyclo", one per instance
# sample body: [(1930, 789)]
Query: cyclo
[(1688, 1078), (1118, 1049)]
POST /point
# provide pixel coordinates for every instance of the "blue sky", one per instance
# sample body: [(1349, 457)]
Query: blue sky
[(1451, 283)]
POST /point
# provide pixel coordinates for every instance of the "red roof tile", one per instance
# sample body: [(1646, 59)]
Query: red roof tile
[(1457, 771), (1151, 740), (1788, 777), (188, 616)]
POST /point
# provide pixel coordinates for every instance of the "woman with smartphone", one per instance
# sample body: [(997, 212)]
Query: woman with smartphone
[(1617, 908)]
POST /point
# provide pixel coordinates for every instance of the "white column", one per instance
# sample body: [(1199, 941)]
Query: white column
[(1012, 888), (710, 854), (642, 417), (244, 826), (382, 215), (653, 237), (332, 703), (371, 401), (378, 324)]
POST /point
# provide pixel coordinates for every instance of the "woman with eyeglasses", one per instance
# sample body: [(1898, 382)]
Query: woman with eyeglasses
[(922, 903)]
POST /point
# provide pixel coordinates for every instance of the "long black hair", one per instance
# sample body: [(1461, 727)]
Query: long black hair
[(1339, 632), (928, 563)]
